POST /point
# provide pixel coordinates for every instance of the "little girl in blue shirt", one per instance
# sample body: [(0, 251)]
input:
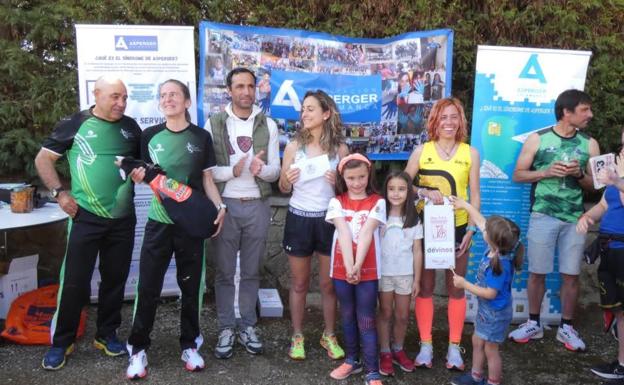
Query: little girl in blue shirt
[(493, 289)]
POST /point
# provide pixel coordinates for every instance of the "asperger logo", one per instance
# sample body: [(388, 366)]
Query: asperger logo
[(358, 97), (136, 43), (533, 70)]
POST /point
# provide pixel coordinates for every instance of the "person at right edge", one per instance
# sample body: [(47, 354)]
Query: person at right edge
[(555, 162), (610, 213)]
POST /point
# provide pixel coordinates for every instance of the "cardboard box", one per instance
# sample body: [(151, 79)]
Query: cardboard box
[(21, 278), (270, 303), (520, 308)]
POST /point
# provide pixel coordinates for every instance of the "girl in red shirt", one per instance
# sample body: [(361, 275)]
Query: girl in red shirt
[(357, 212)]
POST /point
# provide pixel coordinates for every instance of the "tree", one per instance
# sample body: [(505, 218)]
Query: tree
[(39, 80)]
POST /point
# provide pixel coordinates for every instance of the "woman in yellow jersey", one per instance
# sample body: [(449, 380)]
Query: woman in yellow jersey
[(445, 165)]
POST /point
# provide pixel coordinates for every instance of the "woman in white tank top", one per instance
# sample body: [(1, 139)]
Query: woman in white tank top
[(306, 232)]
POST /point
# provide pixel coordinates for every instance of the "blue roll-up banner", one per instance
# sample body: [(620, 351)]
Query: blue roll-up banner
[(384, 88), (515, 93)]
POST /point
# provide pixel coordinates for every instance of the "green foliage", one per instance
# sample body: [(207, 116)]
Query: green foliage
[(17, 149), (37, 38)]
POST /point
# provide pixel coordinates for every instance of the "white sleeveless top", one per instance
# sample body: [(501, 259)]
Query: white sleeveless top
[(313, 194)]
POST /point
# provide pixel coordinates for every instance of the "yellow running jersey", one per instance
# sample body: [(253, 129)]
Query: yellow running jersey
[(449, 176)]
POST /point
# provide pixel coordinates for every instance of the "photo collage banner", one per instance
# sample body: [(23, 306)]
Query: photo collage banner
[(384, 88)]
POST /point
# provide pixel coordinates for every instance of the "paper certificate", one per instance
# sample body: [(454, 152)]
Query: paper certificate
[(439, 236), (597, 163), (312, 167)]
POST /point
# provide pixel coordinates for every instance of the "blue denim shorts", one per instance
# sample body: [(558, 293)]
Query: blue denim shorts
[(491, 325)]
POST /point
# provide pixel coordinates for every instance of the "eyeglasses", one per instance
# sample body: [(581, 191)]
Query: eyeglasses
[(172, 95)]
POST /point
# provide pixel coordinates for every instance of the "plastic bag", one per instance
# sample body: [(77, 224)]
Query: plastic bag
[(30, 316)]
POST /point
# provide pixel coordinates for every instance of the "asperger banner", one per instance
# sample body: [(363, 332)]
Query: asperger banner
[(515, 93), (143, 57), (384, 88)]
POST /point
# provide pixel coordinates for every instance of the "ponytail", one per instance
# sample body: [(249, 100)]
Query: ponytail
[(505, 235), (496, 265)]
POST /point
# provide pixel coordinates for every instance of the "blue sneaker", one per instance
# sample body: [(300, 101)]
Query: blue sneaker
[(54, 358), (466, 379), (110, 345), (373, 378)]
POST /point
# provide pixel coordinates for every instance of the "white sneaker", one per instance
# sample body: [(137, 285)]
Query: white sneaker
[(137, 368), (454, 358), (529, 330), (225, 344), (249, 339), (570, 338), (194, 362), (425, 356)]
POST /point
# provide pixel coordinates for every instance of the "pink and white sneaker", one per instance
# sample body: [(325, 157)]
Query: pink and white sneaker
[(570, 338), (194, 362), (529, 330)]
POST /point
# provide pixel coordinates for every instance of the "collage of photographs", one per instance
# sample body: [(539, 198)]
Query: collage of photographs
[(412, 72)]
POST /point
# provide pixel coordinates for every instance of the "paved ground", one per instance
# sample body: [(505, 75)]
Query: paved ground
[(541, 362)]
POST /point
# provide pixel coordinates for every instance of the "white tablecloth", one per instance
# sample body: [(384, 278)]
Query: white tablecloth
[(49, 213)]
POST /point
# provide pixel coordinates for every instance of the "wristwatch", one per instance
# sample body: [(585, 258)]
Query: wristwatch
[(580, 176), (56, 191), (222, 206)]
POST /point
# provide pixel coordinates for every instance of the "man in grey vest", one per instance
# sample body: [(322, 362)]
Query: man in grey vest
[(246, 147)]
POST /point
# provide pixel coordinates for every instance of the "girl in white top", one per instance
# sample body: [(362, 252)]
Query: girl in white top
[(401, 265), (305, 231)]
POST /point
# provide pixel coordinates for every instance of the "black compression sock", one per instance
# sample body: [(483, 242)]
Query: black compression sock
[(535, 317)]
